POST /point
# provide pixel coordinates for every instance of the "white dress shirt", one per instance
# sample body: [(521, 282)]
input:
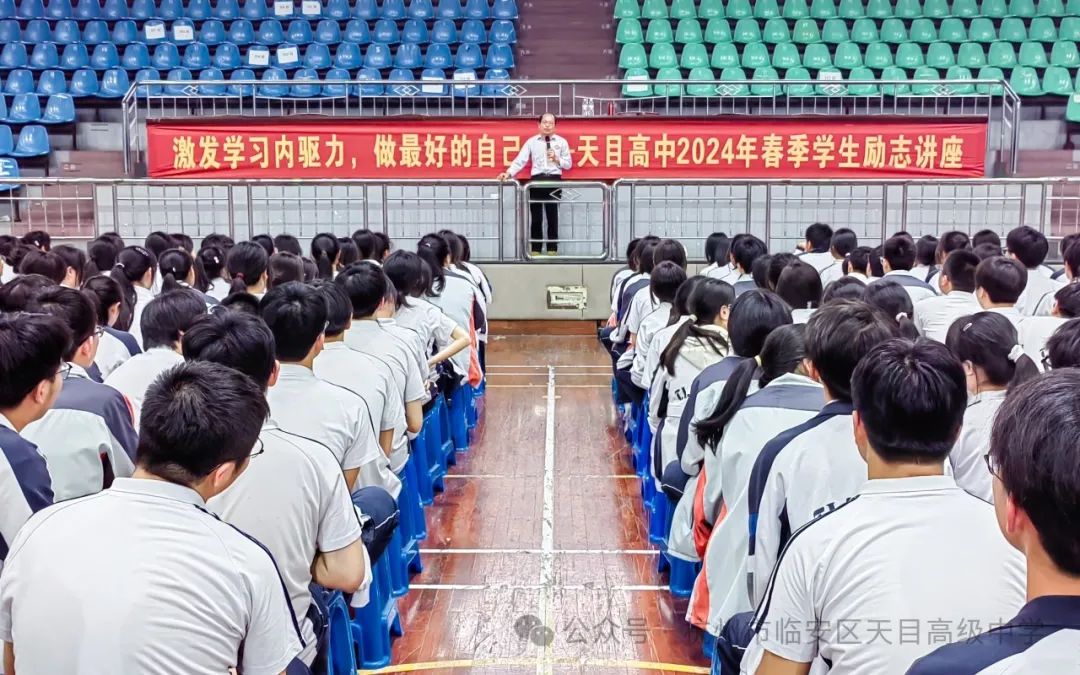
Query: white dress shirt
[(135, 375), (1033, 333), (916, 287), (818, 260), (1010, 313), (934, 315), (831, 272), (143, 296), (966, 458), (535, 152), (1033, 300)]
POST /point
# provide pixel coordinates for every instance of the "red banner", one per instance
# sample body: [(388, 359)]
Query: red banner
[(601, 148)]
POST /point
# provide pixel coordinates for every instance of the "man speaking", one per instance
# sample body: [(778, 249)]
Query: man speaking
[(550, 156)]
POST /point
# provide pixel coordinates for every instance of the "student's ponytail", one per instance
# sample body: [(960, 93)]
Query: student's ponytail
[(246, 264), (680, 306), (435, 251), (324, 251), (211, 260), (101, 257), (131, 266), (894, 300), (706, 303), (989, 342), (175, 265)]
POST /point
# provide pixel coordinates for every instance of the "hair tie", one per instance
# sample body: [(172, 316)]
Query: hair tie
[(1015, 353), (757, 359), (901, 316), (966, 326), (119, 264), (692, 318), (239, 275)]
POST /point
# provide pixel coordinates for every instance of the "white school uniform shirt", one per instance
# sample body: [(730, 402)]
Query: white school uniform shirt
[(292, 499), (860, 276), (966, 458), (481, 281), (174, 590), (818, 260), (641, 306), (111, 352), (651, 324), (922, 272), (7, 273), (657, 345), (701, 400), (219, 288), (886, 565), (831, 272), (916, 287), (143, 296), (373, 381), (417, 349), (535, 152), (721, 272), (435, 328), (802, 315), (616, 286), (1038, 294), (135, 375), (460, 300), (89, 423), (1034, 332), (934, 315), (25, 484), (1010, 313)]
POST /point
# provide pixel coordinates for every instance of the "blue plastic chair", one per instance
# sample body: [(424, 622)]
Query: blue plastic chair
[(7, 142), (392, 9), (179, 83), (338, 10), (196, 56), (438, 56), (340, 654), (7, 9), (33, 142), (421, 9), (411, 507), (97, 32), (477, 9), (136, 57), (401, 89), (157, 26), (74, 57), (31, 9), (357, 31), (226, 10), (165, 57), (241, 33), (444, 32), (469, 56), (13, 56), (24, 109), (37, 31), (327, 32), (9, 168), (504, 9), (500, 56), (368, 10), (184, 26), (503, 31), (335, 83), (150, 89), (433, 89), (348, 56), (58, 9), (473, 31), (19, 81), (465, 83), (278, 86), (253, 10), (10, 31), (311, 11), (386, 32), (283, 12), (317, 56), (198, 10), (210, 83), (124, 32), (212, 33), (305, 84), (241, 74), (44, 56), (84, 83), (371, 83), (114, 83), (87, 10), (299, 32), (284, 56), (269, 33), (227, 56), (59, 109), (414, 32), (373, 623), (492, 86), (65, 32), (105, 57), (408, 56), (376, 56), (51, 82), (114, 10), (142, 10), (258, 57), (449, 9)]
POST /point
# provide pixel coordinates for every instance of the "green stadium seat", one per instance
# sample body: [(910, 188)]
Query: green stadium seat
[(766, 9), (662, 55), (1025, 81), (1056, 80), (633, 56), (627, 9), (923, 31), (776, 32), (786, 55), (668, 89), (633, 89), (895, 73), (654, 9), (717, 31), (747, 31), (909, 56), (755, 56), (867, 89), (1072, 110), (1065, 54), (893, 31), (864, 31), (959, 88), (740, 9), (1001, 55), (694, 56), (982, 29), (1033, 54), (800, 79), (1050, 8), (817, 56), (1042, 28), (823, 9), (971, 55), (1012, 30), (767, 73), (703, 77), (848, 56), (922, 89), (952, 30), (965, 9), (629, 32), (659, 32), (796, 9), (724, 55), (878, 56), (995, 9), (851, 9), (879, 9), (990, 73), (732, 74), (834, 31), (836, 85), (710, 9), (1069, 29), (936, 9), (940, 55), (1022, 8), (688, 32), (805, 32), (908, 9), (683, 9)]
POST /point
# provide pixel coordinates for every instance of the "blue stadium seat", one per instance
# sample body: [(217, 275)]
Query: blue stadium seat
[(274, 75), (24, 109), (468, 85), (386, 32), (377, 55), (500, 56), (227, 56), (51, 82), (444, 32), (477, 9), (269, 33), (317, 56), (155, 28), (165, 57), (74, 57), (65, 32), (13, 55), (84, 83), (492, 86), (87, 10), (196, 56), (338, 10), (438, 56), (10, 31), (136, 57), (312, 10), (3, 110), (226, 10), (449, 9), (408, 56), (58, 9), (183, 32), (368, 10), (105, 57), (114, 10), (170, 10), (348, 56), (114, 83), (253, 10), (369, 75), (503, 30), (7, 9), (357, 31), (33, 142), (31, 9), (305, 84), (473, 31), (9, 169), (282, 10), (43, 56), (142, 10), (179, 82), (212, 77), (401, 75), (59, 109), (198, 10), (392, 9), (469, 56), (212, 33), (433, 89), (257, 57), (414, 32), (148, 90), (299, 31), (327, 32), (124, 32), (7, 143), (287, 56), (504, 9), (420, 9), (336, 86), (20, 81), (241, 74), (241, 33)]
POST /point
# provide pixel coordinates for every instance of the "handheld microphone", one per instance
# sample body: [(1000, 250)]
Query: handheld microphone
[(547, 141)]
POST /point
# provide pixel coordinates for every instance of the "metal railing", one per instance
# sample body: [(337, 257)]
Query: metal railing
[(597, 220), (993, 100)]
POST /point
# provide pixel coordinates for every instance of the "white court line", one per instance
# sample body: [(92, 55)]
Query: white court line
[(533, 587), (533, 551), (618, 476), (547, 538)]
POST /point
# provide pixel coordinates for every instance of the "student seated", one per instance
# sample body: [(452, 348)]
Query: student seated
[(666, 279), (207, 598), (136, 272), (745, 250), (925, 256), (844, 288), (933, 316), (815, 248), (1036, 502), (679, 314), (897, 259), (894, 302), (949, 242), (1035, 331), (843, 242), (718, 257), (620, 333), (247, 264), (115, 344), (454, 292), (1029, 247), (618, 281), (1070, 255), (885, 559), (999, 283), (179, 269), (1063, 347), (800, 289)]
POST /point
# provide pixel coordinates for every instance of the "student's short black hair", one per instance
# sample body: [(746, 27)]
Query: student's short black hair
[(987, 250), (631, 262), (844, 241), (800, 285), (366, 285), (844, 288), (759, 271), (296, 315), (986, 340), (894, 302), (665, 280), (32, 347), (1068, 300), (1028, 245), (108, 293), (284, 267), (717, 246), (745, 249), (18, 293), (1063, 347), (1067, 241), (646, 248), (839, 335), (45, 263), (1033, 452), (75, 308), (899, 252), (183, 241), (241, 301), (267, 243), (169, 315), (74, 258), (959, 267), (196, 417), (38, 238), (777, 263), (858, 260), (669, 250), (1003, 279), (1071, 257), (820, 236), (286, 243), (159, 242), (911, 397), (338, 306), (234, 339), (754, 315), (926, 249), (986, 237), (953, 240)]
